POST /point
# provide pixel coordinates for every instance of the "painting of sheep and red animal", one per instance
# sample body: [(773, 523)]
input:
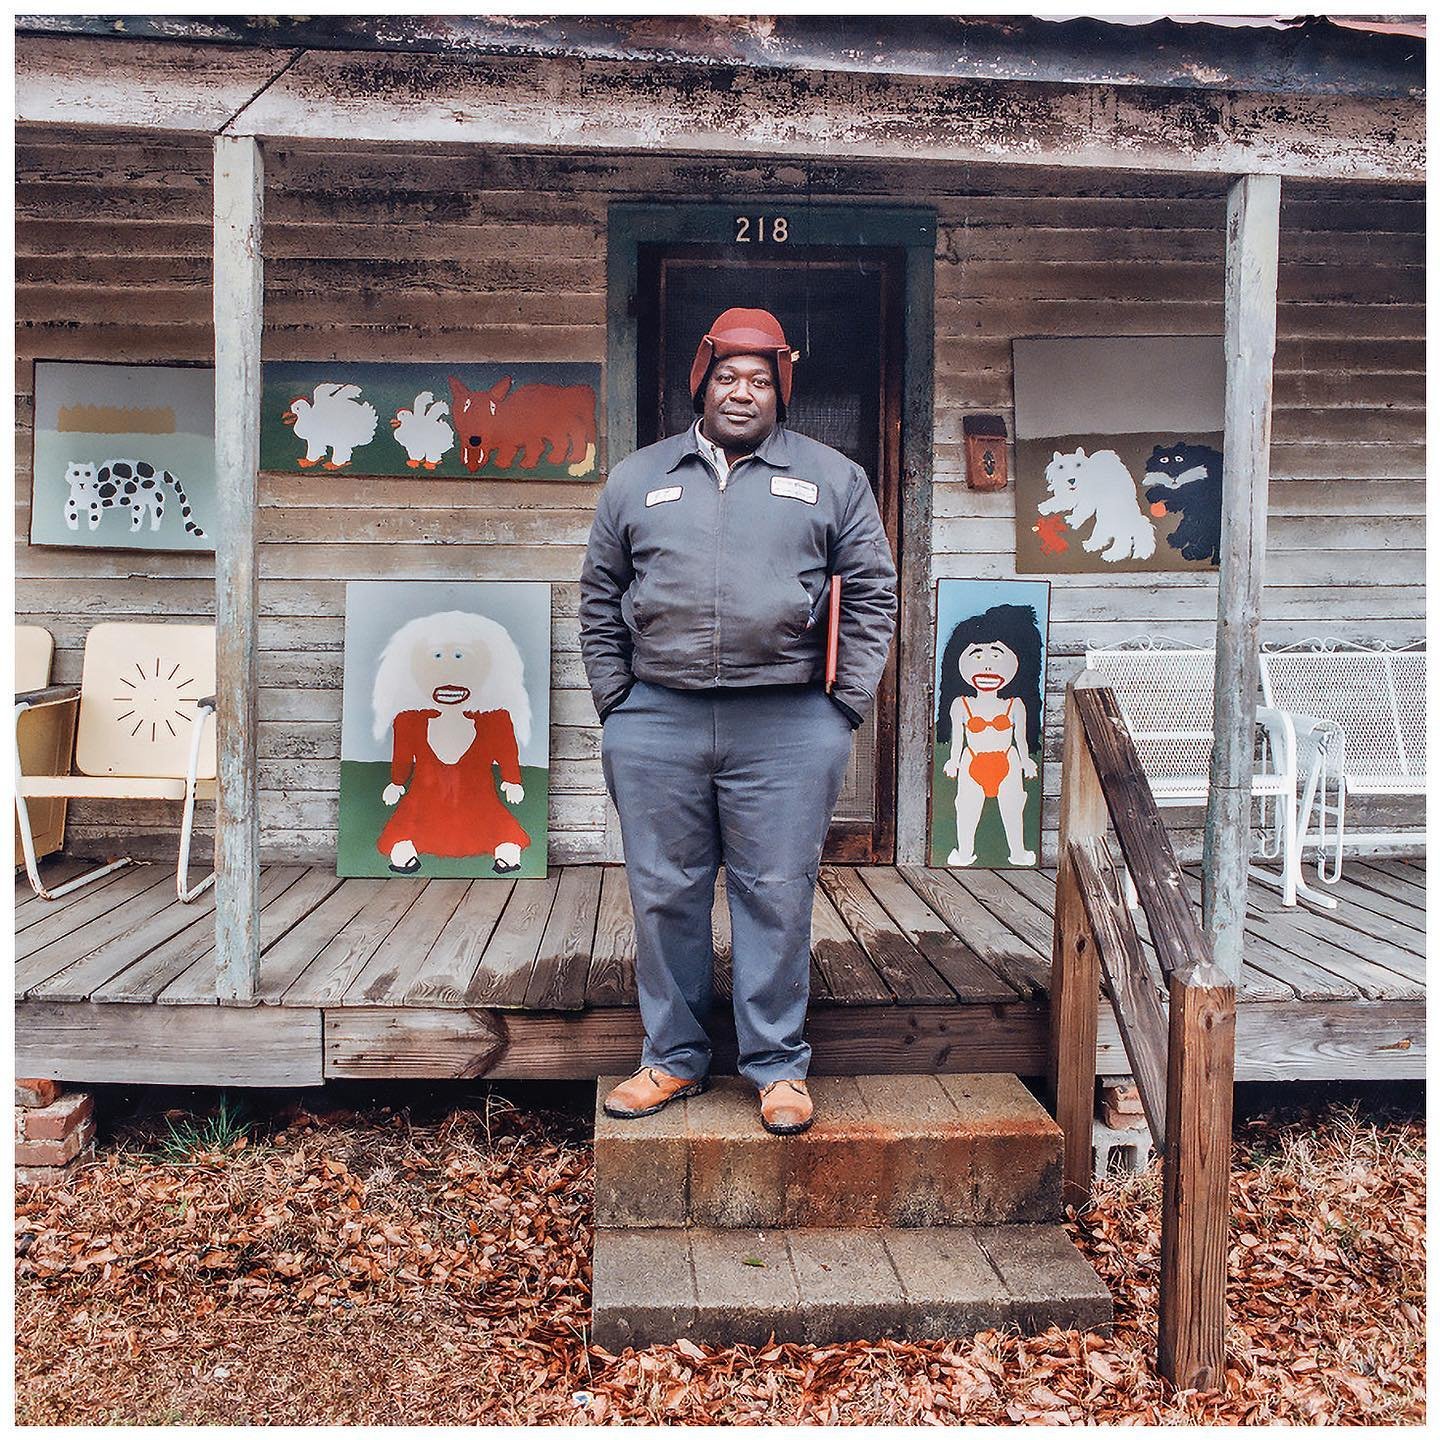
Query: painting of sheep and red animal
[(1119, 444), (445, 729), (513, 421), (124, 456)]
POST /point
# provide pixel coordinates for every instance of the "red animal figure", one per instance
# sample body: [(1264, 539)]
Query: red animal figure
[(1051, 530), (498, 424)]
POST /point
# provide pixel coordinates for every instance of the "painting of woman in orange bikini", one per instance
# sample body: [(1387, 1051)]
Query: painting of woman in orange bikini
[(990, 688)]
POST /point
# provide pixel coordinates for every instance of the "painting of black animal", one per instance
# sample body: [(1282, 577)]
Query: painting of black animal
[(1184, 478)]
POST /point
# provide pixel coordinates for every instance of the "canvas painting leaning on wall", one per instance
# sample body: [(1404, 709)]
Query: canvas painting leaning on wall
[(444, 748), (986, 784)]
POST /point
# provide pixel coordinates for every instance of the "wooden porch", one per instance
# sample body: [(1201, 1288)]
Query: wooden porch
[(912, 969)]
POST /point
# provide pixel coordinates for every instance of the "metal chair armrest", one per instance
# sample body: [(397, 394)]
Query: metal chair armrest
[(48, 695), (1280, 731)]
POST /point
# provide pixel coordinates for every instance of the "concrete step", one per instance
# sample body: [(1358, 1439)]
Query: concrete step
[(829, 1286), (885, 1150)]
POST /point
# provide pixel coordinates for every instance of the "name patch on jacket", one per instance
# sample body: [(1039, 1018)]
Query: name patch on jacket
[(659, 497), (793, 489)]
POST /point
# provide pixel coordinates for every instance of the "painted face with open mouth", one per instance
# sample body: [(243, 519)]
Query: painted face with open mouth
[(988, 667), (448, 671)]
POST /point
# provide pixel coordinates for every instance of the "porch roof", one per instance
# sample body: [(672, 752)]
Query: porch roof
[(762, 96)]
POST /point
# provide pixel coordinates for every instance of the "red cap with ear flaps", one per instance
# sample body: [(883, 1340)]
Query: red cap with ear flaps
[(745, 332)]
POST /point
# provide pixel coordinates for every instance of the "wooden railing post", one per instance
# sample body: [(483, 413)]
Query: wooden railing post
[(1075, 965), (1196, 1208)]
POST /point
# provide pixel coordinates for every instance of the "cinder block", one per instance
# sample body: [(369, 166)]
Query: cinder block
[(737, 1168), (848, 1286), (1048, 1280), (950, 1286), (55, 1152), (745, 1288), (34, 1093), (642, 1288), (1015, 1151), (840, 1172), (57, 1120), (641, 1165)]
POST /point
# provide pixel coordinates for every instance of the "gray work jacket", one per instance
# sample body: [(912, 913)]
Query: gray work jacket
[(693, 582)]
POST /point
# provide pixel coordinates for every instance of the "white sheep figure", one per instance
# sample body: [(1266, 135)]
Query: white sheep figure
[(336, 419), (423, 432)]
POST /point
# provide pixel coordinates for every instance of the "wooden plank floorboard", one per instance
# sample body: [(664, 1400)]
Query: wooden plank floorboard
[(129, 946), (1010, 907), (1403, 882), (143, 981), (611, 980), (444, 975), (972, 980), (558, 980), (385, 977), (30, 907), (284, 959), (37, 966), (910, 976), (1010, 956), (1358, 903), (62, 921), (195, 984), (1331, 947), (503, 975), (330, 974), (849, 976)]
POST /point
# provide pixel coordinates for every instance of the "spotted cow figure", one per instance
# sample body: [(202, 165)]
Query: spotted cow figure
[(135, 485)]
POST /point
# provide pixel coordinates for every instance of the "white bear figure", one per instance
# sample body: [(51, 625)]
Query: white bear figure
[(1099, 487)]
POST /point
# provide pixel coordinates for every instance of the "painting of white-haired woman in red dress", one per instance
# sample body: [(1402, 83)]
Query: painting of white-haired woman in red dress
[(450, 705)]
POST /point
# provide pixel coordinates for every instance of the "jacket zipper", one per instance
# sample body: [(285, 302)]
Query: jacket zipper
[(719, 546)]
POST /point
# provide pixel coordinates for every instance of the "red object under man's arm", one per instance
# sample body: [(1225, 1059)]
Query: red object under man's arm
[(832, 639)]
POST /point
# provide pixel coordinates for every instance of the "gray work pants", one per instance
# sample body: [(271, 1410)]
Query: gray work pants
[(750, 777)]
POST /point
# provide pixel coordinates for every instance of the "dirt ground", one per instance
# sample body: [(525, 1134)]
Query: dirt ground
[(421, 1256)]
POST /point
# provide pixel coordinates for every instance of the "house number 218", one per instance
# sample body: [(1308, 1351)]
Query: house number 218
[(752, 229)]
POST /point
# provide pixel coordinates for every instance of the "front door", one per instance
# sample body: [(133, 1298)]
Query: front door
[(842, 311)]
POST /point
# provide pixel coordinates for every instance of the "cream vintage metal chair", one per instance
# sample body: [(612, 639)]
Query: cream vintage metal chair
[(46, 739), (143, 732)]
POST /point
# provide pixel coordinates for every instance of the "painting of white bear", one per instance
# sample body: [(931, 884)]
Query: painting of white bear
[(1118, 453), (124, 456), (445, 730)]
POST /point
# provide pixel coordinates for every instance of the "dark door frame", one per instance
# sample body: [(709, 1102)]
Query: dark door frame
[(808, 223)]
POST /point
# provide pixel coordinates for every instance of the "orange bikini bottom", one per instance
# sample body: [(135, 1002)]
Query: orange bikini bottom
[(988, 768)]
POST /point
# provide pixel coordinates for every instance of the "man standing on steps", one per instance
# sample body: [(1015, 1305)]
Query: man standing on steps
[(703, 605)]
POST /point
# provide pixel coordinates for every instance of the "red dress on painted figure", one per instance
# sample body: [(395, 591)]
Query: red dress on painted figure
[(455, 809)]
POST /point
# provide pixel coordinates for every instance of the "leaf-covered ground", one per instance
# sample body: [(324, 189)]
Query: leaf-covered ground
[(430, 1265)]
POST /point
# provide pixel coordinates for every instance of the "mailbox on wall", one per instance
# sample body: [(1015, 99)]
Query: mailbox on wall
[(985, 452)]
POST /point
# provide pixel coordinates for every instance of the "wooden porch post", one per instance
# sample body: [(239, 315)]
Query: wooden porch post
[(239, 294), (1252, 238)]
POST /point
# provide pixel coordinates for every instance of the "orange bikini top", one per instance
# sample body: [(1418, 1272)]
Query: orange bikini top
[(976, 723)]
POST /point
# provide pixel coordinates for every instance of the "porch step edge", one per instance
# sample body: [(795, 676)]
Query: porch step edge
[(820, 1286)]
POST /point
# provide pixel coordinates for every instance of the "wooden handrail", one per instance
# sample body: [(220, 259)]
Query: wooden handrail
[(1184, 1064)]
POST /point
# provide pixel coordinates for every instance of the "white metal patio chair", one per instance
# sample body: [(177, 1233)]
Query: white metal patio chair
[(1166, 692), (144, 706), (1358, 713)]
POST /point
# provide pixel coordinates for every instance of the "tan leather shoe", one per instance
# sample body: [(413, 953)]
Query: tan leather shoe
[(786, 1107), (649, 1090)]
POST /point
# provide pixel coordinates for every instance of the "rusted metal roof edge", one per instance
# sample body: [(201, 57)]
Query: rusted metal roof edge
[(1273, 55)]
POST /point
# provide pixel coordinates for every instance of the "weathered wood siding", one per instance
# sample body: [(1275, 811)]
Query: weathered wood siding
[(430, 255)]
